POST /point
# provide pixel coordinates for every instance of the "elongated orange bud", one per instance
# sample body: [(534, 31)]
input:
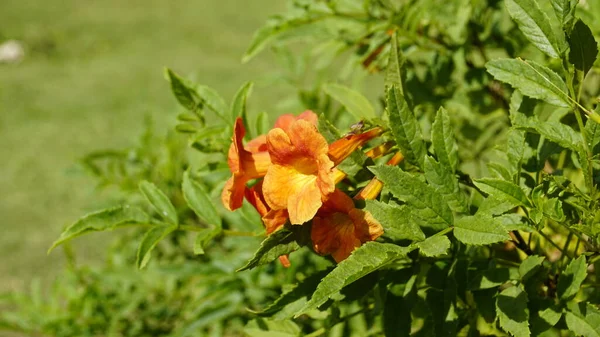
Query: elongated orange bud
[(343, 147), (374, 187)]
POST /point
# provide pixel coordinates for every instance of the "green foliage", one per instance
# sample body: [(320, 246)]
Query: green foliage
[(490, 223)]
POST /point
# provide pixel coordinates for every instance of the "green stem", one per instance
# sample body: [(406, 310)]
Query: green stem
[(542, 234), (566, 246)]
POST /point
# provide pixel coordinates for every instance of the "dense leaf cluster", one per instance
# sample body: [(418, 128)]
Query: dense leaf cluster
[(491, 222)]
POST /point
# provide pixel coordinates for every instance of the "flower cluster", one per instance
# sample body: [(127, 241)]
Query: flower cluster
[(297, 177)]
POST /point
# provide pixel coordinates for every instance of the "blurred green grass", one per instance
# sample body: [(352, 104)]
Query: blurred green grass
[(92, 71)]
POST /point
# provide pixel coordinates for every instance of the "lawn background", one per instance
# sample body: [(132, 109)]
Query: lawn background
[(92, 71)]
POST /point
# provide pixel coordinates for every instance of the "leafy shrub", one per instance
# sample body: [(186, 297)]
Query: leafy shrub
[(475, 205)]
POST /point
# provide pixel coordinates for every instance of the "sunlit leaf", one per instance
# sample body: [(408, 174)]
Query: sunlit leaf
[(480, 230), (364, 260), (570, 280), (356, 104), (532, 79), (405, 127), (535, 25), (103, 220)]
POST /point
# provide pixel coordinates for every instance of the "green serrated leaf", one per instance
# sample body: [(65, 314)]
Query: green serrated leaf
[(442, 137), (262, 327), (441, 178), (159, 201), (503, 190), (434, 246), (532, 79), (583, 320), (565, 12), (480, 230), (238, 105), (394, 74), (396, 221), (103, 220), (152, 237), (430, 203), (570, 280), (405, 127), (356, 104), (511, 308), (535, 25), (281, 242), (493, 278), (515, 150), (200, 201), (584, 48), (203, 237), (212, 100), (592, 134), (530, 266), (364, 260), (556, 132), (183, 94), (294, 299)]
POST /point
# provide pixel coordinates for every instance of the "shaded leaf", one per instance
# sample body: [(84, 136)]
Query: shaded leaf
[(535, 25), (294, 299), (532, 79), (183, 94), (434, 246), (364, 260), (200, 201), (159, 201), (570, 280), (530, 266), (511, 308), (279, 243), (152, 237), (203, 237), (238, 105), (584, 48), (405, 127), (480, 230), (103, 220), (503, 190), (417, 194), (356, 104), (396, 221)]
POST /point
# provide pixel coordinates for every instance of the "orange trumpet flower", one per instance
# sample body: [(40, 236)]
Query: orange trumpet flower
[(300, 176), (339, 227)]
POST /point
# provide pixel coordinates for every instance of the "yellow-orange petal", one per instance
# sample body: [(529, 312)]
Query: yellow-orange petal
[(256, 199), (258, 144), (374, 187), (304, 203), (285, 262), (338, 201), (343, 147)]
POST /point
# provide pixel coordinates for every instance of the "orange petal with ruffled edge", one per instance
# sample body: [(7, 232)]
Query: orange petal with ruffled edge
[(339, 227), (300, 176), (284, 121), (244, 165)]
